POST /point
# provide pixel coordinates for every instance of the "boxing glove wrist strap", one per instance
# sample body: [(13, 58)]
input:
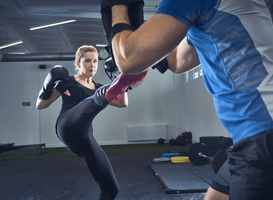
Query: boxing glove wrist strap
[(118, 28), (162, 66)]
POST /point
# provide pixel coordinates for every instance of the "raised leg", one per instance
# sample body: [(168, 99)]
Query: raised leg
[(119, 86)]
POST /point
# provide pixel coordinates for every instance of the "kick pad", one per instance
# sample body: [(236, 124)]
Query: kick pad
[(183, 177)]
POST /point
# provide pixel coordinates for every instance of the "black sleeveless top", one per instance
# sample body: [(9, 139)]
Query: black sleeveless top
[(73, 92)]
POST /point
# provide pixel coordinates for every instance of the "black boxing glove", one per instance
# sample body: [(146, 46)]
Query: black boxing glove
[(110, 66), (57, 73), (162, 66), (111, 69)]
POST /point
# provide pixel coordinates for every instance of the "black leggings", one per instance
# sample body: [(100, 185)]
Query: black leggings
[(74, 128)]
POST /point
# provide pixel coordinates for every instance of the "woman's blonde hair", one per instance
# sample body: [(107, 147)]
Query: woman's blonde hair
[(80, 53)]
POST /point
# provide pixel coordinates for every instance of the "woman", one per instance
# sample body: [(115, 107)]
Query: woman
[(83, 99)]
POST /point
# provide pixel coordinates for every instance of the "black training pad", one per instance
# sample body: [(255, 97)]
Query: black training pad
[(183, 177)]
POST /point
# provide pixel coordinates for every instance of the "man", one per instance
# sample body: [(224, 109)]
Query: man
[(233, 42)]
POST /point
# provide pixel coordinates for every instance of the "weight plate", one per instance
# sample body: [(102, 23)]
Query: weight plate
[(226, 142), (172, 142), (219, 159), (161, 159), (180, 159), (169, 155), (195, 149)]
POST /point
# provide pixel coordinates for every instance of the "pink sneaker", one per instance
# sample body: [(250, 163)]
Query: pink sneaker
[(122, 82)]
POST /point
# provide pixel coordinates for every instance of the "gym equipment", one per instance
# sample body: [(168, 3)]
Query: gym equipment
[(226, 142), (111, 69), (135, 12), (109, 65), (180, 140), (5, 147), (180, 159), (162, 159), (213, 142), (183, 177), (162, 66), (176, 158), (169, 155), (160, 141), (57, 73), (41, 148), (165, 157), (188, 136), (219, 159), (199, 154), (172, 142), (136, 17)]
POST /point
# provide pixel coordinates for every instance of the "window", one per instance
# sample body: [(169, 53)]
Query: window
[(194, 73)]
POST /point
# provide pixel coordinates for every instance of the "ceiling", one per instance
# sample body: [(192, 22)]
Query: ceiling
[(17, 16)]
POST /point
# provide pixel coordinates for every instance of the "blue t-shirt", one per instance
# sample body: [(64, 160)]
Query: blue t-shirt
[(73, 92), (234, 42)]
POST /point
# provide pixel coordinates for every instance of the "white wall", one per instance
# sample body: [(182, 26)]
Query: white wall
[(160, 100), (198, 111)]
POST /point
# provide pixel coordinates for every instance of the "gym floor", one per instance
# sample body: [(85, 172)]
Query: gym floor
[(66, 178)]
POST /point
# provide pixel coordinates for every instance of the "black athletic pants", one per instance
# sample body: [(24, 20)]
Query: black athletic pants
[(74, 128)]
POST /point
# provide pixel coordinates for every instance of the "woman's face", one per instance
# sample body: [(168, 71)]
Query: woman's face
[(88, 64)]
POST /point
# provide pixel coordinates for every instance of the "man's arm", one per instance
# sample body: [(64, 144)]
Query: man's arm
[(183, 58), (136, 51)]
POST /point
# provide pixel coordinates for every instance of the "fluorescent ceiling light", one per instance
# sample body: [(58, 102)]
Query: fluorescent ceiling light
[(17, 53), (11, 44), (49, 25), (101, 45)]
